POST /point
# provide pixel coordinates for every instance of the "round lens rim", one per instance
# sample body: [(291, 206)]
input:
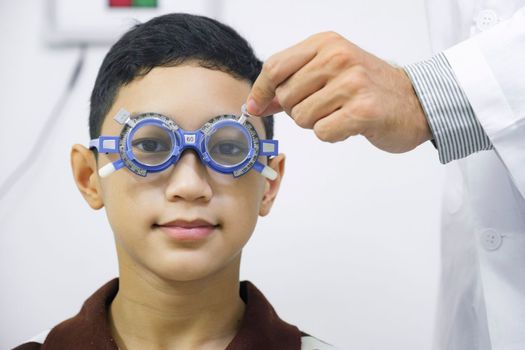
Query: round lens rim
[(246, 134), (158, 120)]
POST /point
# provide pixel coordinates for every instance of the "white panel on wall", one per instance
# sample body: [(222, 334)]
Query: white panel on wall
[(100, 22)]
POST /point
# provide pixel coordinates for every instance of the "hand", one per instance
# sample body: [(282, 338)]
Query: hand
[(332, 86)]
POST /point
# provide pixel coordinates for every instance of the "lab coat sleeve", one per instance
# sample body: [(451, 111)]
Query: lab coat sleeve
[(489, 68), (455, 129)]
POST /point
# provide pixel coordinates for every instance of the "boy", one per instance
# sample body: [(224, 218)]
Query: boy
[(180, 221)]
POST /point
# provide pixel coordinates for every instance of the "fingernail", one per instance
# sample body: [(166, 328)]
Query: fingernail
[(253, 107)]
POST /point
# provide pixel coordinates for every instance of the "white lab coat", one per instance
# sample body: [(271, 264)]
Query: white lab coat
[(482, 294)]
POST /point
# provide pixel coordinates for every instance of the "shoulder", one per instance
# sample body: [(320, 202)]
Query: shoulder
[(34, 343), (311, 343)]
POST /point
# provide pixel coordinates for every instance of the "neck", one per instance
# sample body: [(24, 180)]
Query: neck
[(149, 312)]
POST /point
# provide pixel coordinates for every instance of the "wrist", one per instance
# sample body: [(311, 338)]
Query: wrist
[(415, 110), (423, 127)]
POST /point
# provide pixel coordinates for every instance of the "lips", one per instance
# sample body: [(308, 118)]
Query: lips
[(188, 230), (188, 223)]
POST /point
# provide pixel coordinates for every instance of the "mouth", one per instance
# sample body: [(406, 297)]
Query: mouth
[(188, 230)]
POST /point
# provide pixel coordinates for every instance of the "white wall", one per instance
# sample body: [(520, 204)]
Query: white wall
[(350, 252)]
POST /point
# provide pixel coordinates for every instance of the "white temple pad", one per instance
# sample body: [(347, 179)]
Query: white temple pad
[(106, 170), (269, 173)]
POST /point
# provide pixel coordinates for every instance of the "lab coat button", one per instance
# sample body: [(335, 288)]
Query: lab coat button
[(490, 239), (486, 19)]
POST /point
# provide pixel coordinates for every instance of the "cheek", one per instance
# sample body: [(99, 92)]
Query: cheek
[(241, 202), (130, 204)]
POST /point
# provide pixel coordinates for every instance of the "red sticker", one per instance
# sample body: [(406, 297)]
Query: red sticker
[(120, 3)]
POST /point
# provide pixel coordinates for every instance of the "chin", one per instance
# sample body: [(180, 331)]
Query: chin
[(185, 268), (178, 275)]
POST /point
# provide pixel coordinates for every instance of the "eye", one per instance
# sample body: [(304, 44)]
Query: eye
[(151, 145), (228, 148)]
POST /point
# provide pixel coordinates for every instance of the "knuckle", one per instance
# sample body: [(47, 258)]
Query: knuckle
[(271, 69), (283, 96), (348, 118), (360, 76), (349, 121), (347, 82), (340, 58), (326, 38), (323, 132), (355, 79), (331, 35), (295, 113), (346, 114), (301, 118)]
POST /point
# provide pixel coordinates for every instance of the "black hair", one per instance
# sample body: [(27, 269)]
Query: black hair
[(171, 40)]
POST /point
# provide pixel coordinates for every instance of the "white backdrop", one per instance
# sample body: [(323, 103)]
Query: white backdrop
[(350, 251)]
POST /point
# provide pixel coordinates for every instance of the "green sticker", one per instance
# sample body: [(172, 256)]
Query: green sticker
[(144, 3)]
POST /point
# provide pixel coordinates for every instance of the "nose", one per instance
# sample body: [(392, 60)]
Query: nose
[(188, 179)]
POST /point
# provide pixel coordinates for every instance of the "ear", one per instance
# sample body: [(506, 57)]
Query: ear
[(272, 186), (84, 166)]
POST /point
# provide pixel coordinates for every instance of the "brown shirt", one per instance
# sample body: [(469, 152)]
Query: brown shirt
[(261, 327)]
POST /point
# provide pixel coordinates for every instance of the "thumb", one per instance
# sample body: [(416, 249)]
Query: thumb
[(273, 107), (261, 96)]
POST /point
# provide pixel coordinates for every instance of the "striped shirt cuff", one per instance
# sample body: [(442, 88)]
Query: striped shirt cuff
[(457, 133)]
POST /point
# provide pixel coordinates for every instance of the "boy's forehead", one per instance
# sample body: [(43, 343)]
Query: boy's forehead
[(189, 94)]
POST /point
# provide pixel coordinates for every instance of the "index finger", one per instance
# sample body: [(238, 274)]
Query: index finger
[(276, 70)]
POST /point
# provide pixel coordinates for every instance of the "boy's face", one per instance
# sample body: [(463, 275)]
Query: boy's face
[(138, 207)]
